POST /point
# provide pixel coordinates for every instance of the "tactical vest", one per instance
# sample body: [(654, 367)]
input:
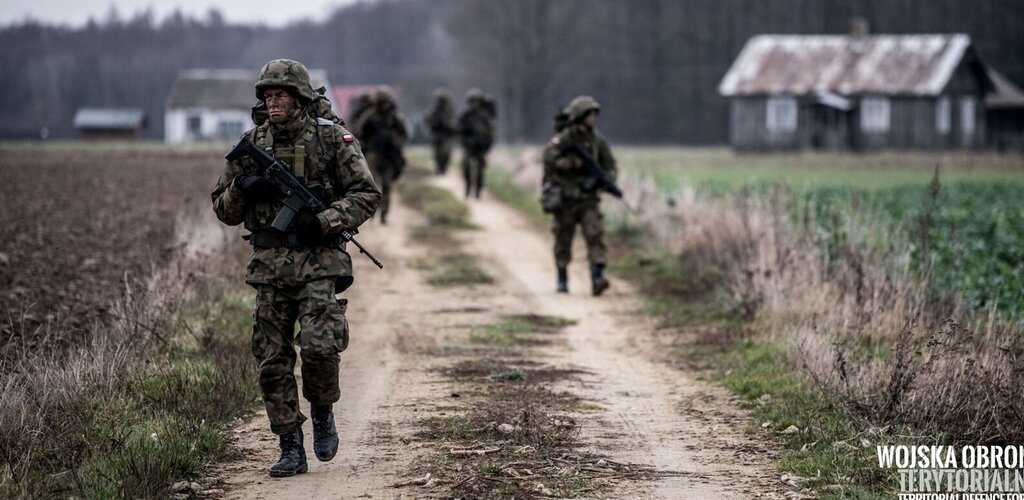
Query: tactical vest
[(312, 158)]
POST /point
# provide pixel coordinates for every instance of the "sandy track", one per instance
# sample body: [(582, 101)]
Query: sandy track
[(650, 412)]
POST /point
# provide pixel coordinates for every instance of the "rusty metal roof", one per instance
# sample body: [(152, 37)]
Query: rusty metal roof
[(1004, 94), (223, 88), (845, 65)]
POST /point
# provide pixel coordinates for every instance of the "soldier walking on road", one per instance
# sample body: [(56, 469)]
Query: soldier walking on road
[(382, 134), (476, 134), (570, 194), (440, 119), (297, 272)]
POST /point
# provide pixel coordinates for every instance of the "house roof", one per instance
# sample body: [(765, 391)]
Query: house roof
[(109, 118), (223, 88), (1004, 94), (845, 65)]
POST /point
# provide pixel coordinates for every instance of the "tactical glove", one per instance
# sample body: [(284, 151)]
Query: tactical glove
[(308, 229), (256, 188), (568, 163)]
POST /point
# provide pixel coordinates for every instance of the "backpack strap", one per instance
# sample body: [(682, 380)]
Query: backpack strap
[(328, 145)]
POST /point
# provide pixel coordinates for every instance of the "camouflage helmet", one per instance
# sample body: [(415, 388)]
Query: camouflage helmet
[(474, 95), (580, 106), (287, 74), (383, 96)]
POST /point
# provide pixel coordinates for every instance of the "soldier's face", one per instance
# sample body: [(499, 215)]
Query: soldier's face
[(591, 119), (279, 104)]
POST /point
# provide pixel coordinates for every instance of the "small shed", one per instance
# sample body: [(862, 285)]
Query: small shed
[(215, 104), (857, 92), (97, 124)]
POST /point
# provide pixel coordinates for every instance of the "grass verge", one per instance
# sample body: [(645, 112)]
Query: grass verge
[(140, 409)]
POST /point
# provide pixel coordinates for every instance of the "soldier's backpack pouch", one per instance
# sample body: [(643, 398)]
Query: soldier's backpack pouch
[(550, 197)]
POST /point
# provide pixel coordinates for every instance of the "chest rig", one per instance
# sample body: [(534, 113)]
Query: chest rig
[(312, 158)]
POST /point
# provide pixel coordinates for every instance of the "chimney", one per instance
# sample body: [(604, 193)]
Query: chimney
[(859, 27)]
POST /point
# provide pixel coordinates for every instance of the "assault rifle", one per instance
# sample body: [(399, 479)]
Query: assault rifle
[(598, 178), (295, 196)]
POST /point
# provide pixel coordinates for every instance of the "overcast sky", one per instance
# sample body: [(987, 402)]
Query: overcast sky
[(77, 12)]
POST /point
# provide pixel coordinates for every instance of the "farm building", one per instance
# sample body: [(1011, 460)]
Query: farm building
[(97, 124), (1004, 113), (857, 92), (215, 104)]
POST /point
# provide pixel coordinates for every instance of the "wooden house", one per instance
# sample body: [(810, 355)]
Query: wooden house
[(118, 124), (857, 92), (215, 104)]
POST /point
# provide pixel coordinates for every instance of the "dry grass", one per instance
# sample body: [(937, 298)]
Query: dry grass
[(138, 399)]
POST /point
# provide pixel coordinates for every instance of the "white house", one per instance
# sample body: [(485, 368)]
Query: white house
[(215, 104)]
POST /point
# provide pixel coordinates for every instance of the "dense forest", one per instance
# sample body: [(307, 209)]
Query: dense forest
[(654, 64)]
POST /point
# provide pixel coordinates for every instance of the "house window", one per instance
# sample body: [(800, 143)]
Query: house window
[(195, 123), (874, 114), (781, 114), (942, 115), (230, 129), (967, 117)]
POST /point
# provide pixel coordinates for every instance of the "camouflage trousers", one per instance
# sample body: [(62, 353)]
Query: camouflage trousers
[(442, 147), (473, 166), (384, 174), (322, 336), (586, 214)]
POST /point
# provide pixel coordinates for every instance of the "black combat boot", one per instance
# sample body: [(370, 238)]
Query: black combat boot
[(598, 281), (563, 280), (293, 456), (325, 435)]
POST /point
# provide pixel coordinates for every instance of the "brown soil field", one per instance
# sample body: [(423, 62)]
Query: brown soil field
[(83, 225)]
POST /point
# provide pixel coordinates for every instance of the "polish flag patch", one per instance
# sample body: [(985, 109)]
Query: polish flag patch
[(348, 137)]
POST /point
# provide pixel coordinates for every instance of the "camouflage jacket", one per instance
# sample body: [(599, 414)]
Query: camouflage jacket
[(564, 168), (476, 130), (440, 119), (328, 159)]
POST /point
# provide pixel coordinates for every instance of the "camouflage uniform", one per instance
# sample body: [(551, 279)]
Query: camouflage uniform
[(476, 134), (360, 106), (440, 119), (382, 133), (298, 282), (564, 173)]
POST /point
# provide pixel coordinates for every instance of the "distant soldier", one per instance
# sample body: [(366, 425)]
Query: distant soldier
[(360, 105), (382, 134), (476, 134), (440, 119), (297, 272), (570, 194)]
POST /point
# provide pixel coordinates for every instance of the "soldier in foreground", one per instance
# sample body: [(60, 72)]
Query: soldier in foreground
[(382, 133), (476, 134), (570, 192), (440, 120), (297, 272)]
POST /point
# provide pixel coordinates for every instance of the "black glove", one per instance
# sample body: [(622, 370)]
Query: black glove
[(308, 229), (256, 188)]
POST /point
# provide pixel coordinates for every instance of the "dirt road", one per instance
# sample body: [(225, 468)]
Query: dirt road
[(646, 412)]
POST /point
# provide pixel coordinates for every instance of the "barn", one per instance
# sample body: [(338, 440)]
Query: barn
[(857, 92), (117, 124), (215, 104)]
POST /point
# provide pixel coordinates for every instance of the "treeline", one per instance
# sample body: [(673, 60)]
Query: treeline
[(654, 64)]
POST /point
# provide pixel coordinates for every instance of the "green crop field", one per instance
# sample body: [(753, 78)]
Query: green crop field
[(969, 233), (671, 168)]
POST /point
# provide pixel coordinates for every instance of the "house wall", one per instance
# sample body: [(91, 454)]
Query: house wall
[(748, 130), (224, 125)]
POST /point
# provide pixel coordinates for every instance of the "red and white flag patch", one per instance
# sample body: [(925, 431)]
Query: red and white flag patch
[(348, 137)]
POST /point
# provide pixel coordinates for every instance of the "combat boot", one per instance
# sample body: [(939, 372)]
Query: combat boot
[(563, 280), (293, 456), (598, 281), (325, 435)]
